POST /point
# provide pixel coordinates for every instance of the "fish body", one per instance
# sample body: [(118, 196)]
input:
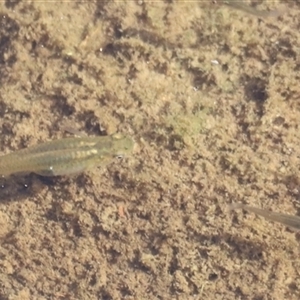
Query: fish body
[(288, 220), (242, 6), (65, 156)]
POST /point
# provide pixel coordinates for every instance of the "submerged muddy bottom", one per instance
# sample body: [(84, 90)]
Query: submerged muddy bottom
[(210, 96)]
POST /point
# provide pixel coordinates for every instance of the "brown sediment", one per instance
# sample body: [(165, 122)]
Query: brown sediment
[(212, 102)]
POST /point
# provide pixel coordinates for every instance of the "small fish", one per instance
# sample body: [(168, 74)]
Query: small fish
[(239, 5), (288, 220), (65, 156)]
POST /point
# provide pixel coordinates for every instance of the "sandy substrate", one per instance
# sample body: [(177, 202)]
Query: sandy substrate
[(211, 97)]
